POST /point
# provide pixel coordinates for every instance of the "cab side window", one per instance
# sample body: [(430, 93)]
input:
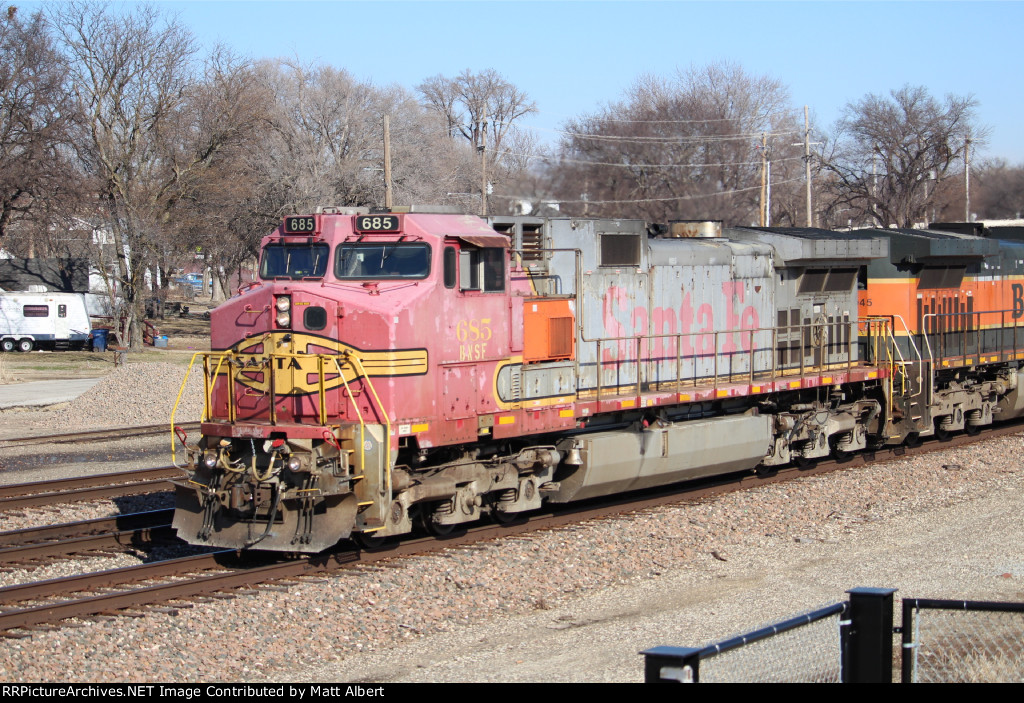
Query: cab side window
[(450, 258), (482, 269)]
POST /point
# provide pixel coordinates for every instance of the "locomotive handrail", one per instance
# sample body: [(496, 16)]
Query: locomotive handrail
[(181, 390), (896, 347), (358, 368), (358, 365), (346, 358), (974, 316), (359, 416), (715, 336)]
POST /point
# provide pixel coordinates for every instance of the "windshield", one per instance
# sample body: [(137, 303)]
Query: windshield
[(294, 261), (382, 261)]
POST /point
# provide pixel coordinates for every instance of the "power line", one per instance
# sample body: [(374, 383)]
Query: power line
[(752, 118), (653, 200), (702, 139), (555, 159)]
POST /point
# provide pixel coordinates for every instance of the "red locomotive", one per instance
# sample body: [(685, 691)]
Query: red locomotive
[(399, 369)]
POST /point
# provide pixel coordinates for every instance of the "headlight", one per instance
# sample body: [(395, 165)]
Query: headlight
[(284, 303), (283, 319), (294, 464), (210, 459)]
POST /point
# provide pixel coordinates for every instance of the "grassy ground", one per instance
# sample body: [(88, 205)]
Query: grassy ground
[(185, 336)]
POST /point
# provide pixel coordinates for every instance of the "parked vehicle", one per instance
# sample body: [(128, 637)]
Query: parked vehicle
[(43, 321), (195, 280)]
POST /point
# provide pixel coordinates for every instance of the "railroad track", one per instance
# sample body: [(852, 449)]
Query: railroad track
[(219, 574), (36, 545), (69, 490), (107, 434)]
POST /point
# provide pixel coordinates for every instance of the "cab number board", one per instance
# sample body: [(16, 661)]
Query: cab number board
[(305, 224), (378, 223)]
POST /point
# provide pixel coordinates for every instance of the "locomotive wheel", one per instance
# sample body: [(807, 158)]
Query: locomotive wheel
[(803, 462), (942, 435), (503, 518), (972, 430), (912, 440), (438, 529), (369, 540), (423, 519), (841, 455)]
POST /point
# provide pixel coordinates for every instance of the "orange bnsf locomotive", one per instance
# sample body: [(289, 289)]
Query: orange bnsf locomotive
[(399, 370)]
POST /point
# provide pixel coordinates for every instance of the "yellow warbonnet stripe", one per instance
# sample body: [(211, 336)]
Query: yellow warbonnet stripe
[(295, 373)]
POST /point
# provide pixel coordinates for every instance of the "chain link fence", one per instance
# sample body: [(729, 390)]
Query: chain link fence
[(809, 653), (962, 641), (943, 642)]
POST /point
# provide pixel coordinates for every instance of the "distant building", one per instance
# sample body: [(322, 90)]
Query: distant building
[(57, 275)]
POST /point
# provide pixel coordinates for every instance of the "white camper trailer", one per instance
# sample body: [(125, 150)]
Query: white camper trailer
[(43, 321)]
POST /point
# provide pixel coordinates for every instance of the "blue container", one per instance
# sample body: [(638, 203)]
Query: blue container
[(99, 339), (160, 341)]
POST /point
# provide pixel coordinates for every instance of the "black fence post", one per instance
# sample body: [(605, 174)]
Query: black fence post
[(671, 665), (869, 647)]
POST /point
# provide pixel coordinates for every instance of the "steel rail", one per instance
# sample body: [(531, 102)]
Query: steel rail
[(77, 545), (23, 495), (110, 433), (148, 595), (30, 535), (552, 517)]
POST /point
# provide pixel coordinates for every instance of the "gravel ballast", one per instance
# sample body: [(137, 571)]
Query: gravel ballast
[(578, 603)]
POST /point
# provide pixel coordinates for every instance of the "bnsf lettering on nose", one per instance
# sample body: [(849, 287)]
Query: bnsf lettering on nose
[(1018, 300), (473, 336)]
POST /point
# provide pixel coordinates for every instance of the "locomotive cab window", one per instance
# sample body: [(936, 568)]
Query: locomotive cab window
[(383, 261), (294, 261), (482, 269), (450, 268)]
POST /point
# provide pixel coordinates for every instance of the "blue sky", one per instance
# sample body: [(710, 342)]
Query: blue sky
[(573, 57)]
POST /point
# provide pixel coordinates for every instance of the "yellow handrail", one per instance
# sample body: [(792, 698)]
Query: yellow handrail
[(387, 421), (188, 372)]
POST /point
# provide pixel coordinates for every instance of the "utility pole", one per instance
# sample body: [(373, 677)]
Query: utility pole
[(874, 186), (764, 175), (807, 164), (387, 163), (967, 179), (483, 162)]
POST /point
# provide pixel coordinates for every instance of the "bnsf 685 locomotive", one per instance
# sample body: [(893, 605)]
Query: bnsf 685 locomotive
[(400, 369)]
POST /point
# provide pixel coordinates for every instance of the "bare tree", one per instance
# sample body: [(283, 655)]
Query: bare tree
[(684, 147), (216, 140), (35, 119), (131, 72), (325, 145), (890, 153), (484, 109), (154, 124), (471, 103), (998, 191)]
